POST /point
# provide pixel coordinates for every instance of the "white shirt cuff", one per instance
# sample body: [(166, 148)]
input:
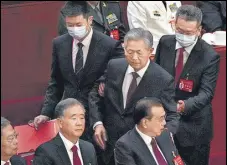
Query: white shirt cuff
[(97, 123)]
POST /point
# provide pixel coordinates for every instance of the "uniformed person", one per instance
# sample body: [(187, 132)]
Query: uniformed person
[(107, 18), (156, 16)]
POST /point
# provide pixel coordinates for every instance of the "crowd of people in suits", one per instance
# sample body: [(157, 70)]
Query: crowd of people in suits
[(115, 106)]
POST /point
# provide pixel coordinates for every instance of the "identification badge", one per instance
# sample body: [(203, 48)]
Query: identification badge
[(186, 85), (156, 13), (111, 18), (173, 7), (177, 159), (115, 34)]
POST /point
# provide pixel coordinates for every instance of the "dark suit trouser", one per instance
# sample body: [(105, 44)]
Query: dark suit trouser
[(194, 155)]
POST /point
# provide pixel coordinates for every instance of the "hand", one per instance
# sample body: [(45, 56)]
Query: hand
[(39, 120), (101, 89), (100, 136), (180, 106)]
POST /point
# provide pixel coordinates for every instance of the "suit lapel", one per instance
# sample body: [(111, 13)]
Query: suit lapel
[(67, 47), (91, 56), (161, 8), (119, 82), (84, 153), (95, 15), (142, 147), (61, 150), (166, 151), (194, 55), (172, 56)]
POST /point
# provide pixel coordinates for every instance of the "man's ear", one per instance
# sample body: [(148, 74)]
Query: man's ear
[(90, 20), (150, 51), (59, 121)]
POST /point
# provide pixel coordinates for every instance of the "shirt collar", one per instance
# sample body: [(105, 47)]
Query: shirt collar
[(93, 7), (3, 162), (187, 49), (141, 72), (68, 144), (86, 42), (147, 139)]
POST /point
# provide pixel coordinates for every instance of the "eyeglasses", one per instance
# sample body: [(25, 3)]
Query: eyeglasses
[(12, 137)]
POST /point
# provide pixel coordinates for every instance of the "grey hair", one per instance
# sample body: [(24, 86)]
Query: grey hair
[(140, 34), (190, 13), (4, 123), (65, 104)]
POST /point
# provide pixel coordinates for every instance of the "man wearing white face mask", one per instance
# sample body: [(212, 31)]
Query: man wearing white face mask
[(195, 66), (80, 58)]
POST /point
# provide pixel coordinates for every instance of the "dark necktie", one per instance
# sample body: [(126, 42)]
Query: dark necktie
[(76, 159), (79, 61), (157, 153), (132, 87), (7, 163), (179, 66)]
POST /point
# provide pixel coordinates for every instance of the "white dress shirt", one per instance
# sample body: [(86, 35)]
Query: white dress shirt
[(86, 44), (3, 162), (128, 79), (68, 145), (153, 16), (147, 139), (126, 83), (186, 53)]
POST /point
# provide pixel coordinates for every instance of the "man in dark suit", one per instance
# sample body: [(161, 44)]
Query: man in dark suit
[(214, 15), (79, 59), (148, 142), (107, 19), (195, 66), (9, 145), (128, 80), (67, 148)]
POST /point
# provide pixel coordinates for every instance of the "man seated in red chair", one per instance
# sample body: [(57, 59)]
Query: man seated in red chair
[(66, 148), (9, 145)]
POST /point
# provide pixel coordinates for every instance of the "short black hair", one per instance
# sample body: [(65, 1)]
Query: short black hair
[(143, 108), (65, 104), (75, 8)]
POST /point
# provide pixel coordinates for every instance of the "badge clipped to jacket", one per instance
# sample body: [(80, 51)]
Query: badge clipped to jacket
[(177, 159), (186, 85), (115, 34)]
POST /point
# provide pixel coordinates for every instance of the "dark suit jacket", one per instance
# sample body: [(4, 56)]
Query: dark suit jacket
[(106, 8), (214, 15), (156, 82), (17, 160), (202, 66), (54, 152), (64, 83), (131, 149)]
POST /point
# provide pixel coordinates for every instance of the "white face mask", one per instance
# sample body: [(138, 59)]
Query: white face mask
[(77, 32), (185, 40)]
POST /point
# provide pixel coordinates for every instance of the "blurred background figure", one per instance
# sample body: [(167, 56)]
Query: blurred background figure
[(107, 18), (214, 15), (9, 145), (155, 16)]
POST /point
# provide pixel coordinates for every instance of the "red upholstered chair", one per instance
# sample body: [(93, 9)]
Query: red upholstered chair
[(29, 138)]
